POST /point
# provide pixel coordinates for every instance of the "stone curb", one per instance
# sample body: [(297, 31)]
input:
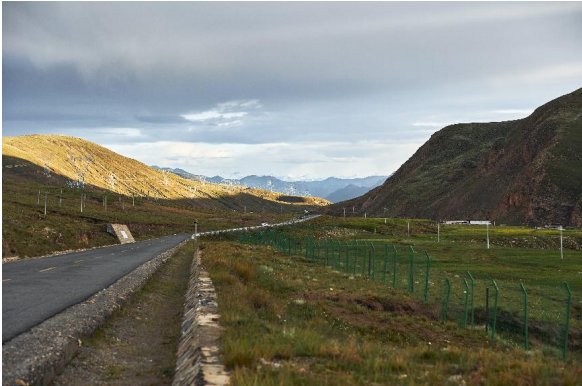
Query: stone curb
[(37, 356), (198, 360)]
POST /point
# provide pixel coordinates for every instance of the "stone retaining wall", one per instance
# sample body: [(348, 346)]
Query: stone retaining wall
[(198, 360)]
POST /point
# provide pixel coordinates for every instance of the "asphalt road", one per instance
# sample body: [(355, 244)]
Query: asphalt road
[(35, 290)]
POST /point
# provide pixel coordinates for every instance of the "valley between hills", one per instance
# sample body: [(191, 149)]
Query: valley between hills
[(523, 172), (333, 279)]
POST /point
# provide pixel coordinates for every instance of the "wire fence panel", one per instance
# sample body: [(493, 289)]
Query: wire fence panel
[(529, 316)]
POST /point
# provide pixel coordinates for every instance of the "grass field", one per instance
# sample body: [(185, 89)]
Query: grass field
[(290, 321), (516, 253)]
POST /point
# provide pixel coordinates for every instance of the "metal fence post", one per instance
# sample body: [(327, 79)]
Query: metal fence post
[(487, 309), (466, 304), (394, 256), (426, 277), (472, 300), (411, 268), (495, 302), (370, 264), (339, 255), (385, 263), (346, 265), (355, 249), (445, 304), (365, 249), (567, 321), (525, 317), (371, 261)]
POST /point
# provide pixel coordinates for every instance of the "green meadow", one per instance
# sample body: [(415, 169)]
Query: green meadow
[(299, 312)]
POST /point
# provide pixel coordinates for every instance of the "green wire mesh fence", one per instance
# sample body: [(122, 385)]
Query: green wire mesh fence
[(540, 316)]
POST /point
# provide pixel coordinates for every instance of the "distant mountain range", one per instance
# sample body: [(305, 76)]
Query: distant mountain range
[(526, 171), (332, 188)]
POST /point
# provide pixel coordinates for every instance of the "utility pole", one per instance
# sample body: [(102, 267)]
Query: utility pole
[(165, 174), (38, 198), (80, 165), (438, 231), (45, 203), (111, 181), (408, 229), (344, 212), (353, 209), (487, 235)]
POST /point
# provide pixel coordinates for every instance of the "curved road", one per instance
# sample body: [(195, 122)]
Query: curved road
[(37, 289), (34, 290)]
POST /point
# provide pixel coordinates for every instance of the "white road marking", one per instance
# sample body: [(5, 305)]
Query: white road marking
[(6, 280), (47, 269)]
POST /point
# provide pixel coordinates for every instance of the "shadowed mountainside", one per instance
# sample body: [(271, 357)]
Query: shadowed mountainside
[(349, 192), (526, 171)]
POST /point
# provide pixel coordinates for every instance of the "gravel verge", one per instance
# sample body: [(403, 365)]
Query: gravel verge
[(35, 357)]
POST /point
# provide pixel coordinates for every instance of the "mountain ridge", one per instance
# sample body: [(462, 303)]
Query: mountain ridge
[(330, 187), (526, 171), (84, 162)]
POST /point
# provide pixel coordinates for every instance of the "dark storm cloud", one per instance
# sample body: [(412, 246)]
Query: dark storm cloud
[(122, 73)]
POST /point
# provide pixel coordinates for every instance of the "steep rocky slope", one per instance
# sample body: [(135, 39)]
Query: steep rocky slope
[(522, 171)]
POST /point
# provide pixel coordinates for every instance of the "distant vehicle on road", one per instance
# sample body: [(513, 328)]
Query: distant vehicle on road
[(264, 224)]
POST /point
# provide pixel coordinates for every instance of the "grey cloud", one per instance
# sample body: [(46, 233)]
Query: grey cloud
[(322, 72)]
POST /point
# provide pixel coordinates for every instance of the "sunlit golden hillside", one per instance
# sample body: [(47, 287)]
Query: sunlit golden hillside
[(82, 161)]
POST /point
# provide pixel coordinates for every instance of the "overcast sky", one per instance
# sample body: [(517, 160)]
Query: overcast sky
[(296, 90)]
